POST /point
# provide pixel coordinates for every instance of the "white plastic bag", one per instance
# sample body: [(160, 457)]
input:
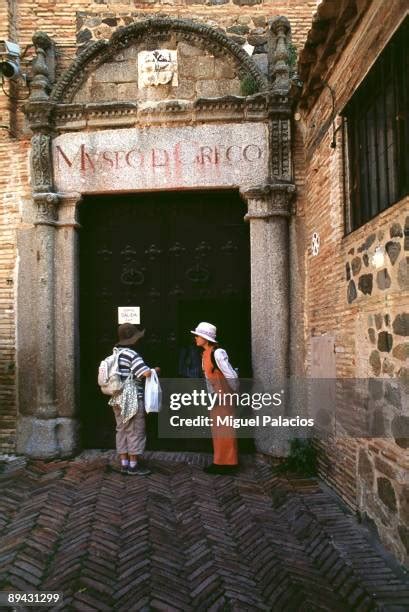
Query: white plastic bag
[(153, 393)]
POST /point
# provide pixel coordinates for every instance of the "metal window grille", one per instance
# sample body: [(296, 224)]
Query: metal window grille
[(376, 124)]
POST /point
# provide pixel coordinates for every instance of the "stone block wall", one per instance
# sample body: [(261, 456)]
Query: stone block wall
[(72, 25), (356, 291), (199, 73)]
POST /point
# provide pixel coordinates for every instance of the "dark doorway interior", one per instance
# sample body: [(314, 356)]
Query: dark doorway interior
[(183, 257)]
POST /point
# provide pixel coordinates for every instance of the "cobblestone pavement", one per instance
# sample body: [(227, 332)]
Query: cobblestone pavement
[(180, 539)]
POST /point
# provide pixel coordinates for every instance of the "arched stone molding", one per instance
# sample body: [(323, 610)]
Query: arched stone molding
[(155, 27)]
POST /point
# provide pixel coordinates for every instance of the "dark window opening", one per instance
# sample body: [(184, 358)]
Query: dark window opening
[(377, 132)]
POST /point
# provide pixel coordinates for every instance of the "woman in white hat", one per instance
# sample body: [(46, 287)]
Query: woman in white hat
[(222, 378)]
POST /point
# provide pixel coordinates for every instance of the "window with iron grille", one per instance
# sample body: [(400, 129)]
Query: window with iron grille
[(376, 126)]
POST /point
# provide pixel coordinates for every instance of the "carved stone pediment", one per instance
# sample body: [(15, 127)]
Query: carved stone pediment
[(162, 29)]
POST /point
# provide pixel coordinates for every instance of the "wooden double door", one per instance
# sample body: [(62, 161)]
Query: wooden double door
[(182, 257)]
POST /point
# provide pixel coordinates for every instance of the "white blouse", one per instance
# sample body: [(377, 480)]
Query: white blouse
[(226, 368)]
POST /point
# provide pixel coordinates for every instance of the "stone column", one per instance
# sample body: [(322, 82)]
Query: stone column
[(269, 207), (66, 307), (41, 432), (45, 328)]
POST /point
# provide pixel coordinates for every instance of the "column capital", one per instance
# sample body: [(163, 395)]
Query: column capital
[(69, 199), (67, 209), (46, 208), (268, 200), (57, 209)]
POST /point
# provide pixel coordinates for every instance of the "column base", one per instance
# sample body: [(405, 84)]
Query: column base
[(47, 438), (274, 443)]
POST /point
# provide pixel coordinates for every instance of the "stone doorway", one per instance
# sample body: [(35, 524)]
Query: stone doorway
[(182, 257), (82, 146)]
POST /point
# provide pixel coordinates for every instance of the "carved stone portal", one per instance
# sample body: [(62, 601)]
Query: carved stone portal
[(228, 142)]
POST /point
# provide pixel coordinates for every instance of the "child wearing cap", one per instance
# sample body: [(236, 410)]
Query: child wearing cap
[(131, 434)]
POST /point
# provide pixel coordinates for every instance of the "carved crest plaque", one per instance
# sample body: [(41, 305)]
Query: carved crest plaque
[(157, 68)]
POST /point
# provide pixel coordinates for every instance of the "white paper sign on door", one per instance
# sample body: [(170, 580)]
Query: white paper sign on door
[(129, 314)]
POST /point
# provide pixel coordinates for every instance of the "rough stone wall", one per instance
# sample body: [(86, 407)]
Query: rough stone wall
[(362, 302), (72, 25)]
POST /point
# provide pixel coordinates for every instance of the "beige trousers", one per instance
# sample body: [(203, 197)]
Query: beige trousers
[(130, 436)]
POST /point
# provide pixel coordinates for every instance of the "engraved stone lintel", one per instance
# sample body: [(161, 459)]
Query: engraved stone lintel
[(268, 200), (46, 208), (192, 158)]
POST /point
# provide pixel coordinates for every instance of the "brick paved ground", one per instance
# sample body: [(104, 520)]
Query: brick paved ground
[(183, 540)]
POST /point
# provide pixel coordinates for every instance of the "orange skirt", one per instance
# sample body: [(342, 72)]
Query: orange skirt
[(224, 441)]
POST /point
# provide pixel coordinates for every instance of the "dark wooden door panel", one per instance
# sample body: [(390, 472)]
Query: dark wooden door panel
[(183, 257)]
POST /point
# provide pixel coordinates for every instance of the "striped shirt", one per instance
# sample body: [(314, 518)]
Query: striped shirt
[(130, 361)]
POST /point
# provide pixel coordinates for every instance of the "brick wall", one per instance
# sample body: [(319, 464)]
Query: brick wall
[(12, 163), (364, 306)]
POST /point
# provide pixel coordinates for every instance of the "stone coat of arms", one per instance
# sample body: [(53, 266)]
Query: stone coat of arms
[(157, 67)]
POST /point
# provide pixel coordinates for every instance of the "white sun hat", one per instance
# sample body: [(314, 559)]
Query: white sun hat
[(206, 331)]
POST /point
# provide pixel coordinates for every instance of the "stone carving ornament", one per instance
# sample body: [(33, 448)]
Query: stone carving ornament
[(41, 70), (41, 163), (46, 208), (279, 56), (157, 67)]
